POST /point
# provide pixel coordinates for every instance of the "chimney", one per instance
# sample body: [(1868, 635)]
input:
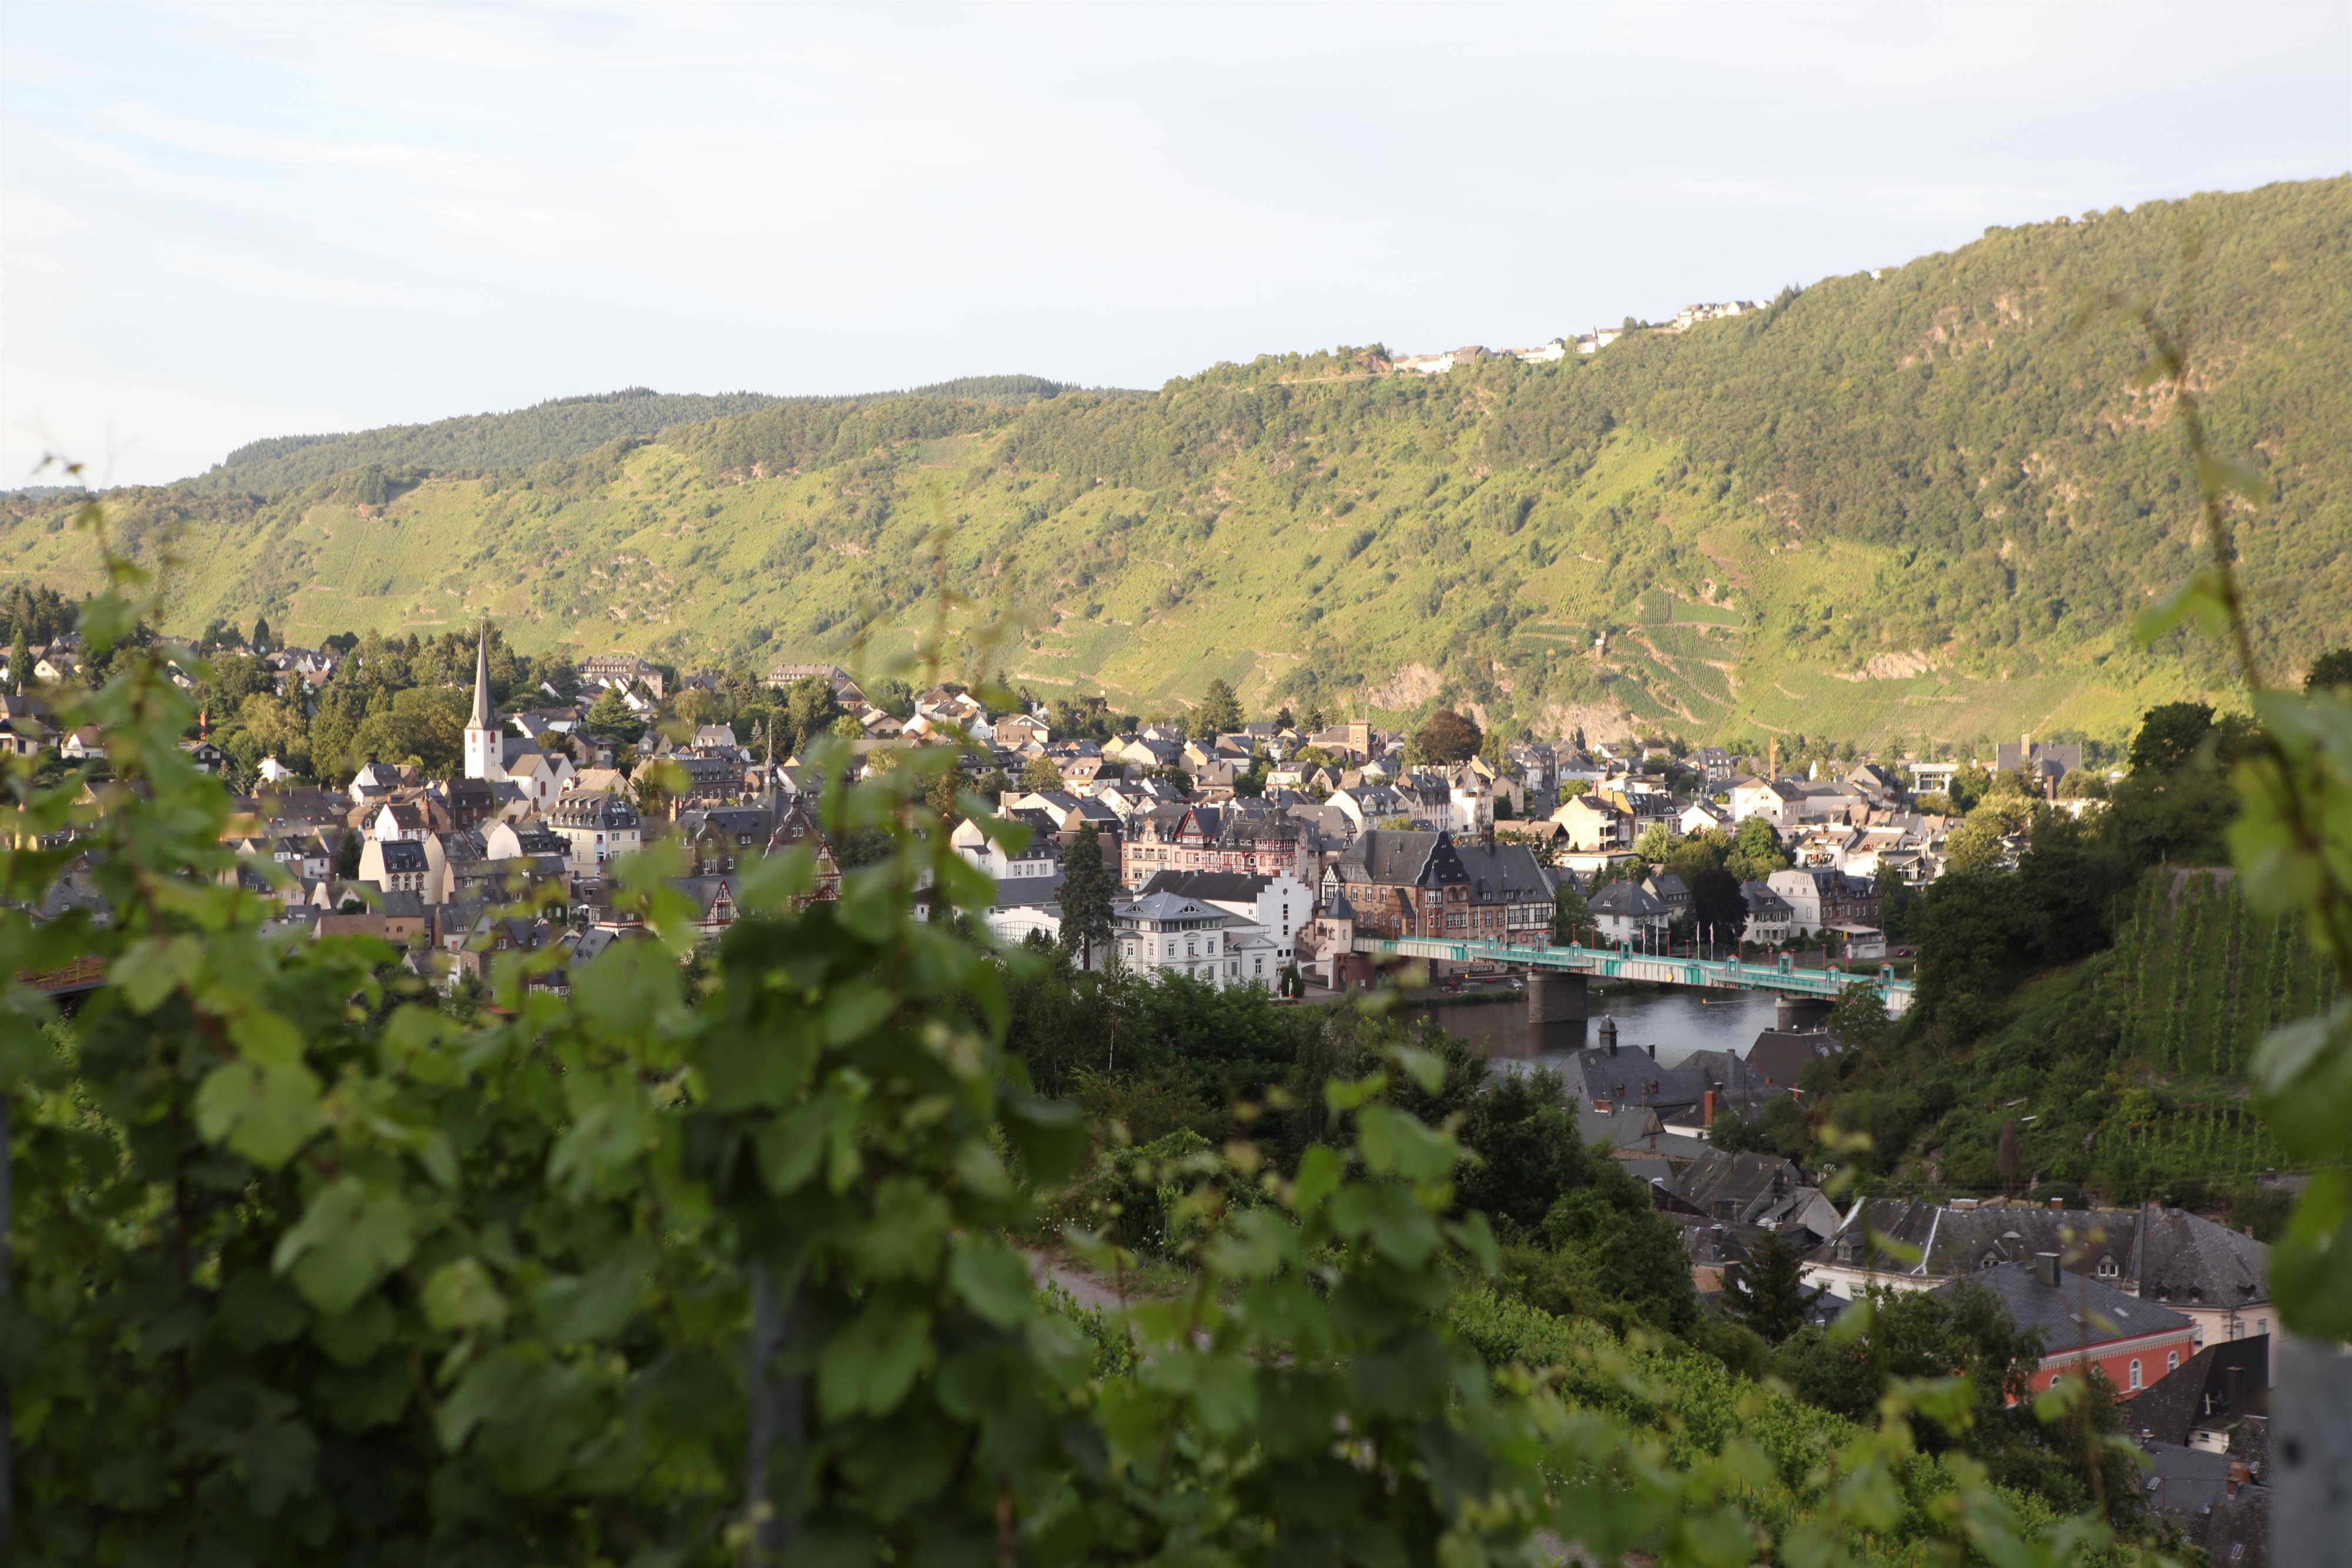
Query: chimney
[(2237, 1479), (1653, 1050), (1706, 1109), (2057, 1203), (1609, 1035), (2045, 1269)]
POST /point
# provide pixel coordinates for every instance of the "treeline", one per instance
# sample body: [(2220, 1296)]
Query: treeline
[(36, 612), (563, 427), (470, 444)]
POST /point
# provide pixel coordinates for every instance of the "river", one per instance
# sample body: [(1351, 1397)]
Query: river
[(1676, 1019)]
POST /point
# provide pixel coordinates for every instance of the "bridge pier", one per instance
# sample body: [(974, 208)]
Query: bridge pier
[(1556, 1010), (1795, 1013)]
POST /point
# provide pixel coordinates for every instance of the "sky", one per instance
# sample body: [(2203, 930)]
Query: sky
[(219, 223)]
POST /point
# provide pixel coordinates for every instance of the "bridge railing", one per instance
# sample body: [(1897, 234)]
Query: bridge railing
[(1778, 973)]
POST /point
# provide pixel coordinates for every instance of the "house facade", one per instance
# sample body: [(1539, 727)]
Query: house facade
[(1818, 898), (1408, 883), (1164, 933), (597, 829)]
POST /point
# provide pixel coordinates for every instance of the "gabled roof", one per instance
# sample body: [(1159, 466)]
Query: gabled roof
[(1393, 857), (1730, 1185), (1626, 899)]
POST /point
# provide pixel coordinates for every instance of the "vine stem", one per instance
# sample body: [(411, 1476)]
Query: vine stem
[(7, 1266)]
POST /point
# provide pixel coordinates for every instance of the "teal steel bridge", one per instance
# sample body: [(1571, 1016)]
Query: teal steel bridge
[(1780, 976)]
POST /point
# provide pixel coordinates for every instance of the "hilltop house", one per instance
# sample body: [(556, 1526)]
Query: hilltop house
[(1774, 799), (1278, 905)]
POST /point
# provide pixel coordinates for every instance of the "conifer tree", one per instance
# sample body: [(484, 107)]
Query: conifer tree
[(1770, 1295), (1085, 896)]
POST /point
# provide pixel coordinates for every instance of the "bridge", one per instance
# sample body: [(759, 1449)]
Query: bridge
[(1806, 995)]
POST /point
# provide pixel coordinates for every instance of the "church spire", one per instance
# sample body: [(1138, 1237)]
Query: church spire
[(483, 718)]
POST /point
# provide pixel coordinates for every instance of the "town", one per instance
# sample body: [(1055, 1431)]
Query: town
[(1277, 844), (1279, 854)]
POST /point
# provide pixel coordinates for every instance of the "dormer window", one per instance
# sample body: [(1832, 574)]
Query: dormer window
[(2107, 1268)]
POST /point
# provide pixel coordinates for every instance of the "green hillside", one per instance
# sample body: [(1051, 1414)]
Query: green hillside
[(2124, 1074), (1923, 504)]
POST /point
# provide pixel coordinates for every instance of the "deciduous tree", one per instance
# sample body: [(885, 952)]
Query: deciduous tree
[(1446, 736)]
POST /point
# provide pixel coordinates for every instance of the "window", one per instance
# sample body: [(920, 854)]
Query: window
[(2172, 1361), (2135, 1374), (2107, 1269)]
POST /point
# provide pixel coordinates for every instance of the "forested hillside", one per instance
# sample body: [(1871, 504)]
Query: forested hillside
[(1924, 503), (561, 427)]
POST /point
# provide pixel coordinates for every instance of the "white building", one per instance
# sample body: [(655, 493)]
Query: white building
[(1161, 932), (1278, 905), (1040, 858), (1776, 802), (598, 828)]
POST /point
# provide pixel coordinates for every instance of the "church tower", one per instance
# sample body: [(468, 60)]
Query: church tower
[(485, 756)]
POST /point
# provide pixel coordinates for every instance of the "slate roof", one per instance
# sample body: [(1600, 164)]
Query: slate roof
[(1390, 857), (1209, 886), (2073, 1314), (1959, 1241), (403, 857), (1505, 874), (2185, 1259), (1782, 1055), (2227, 1379), (1169, 906), (1626, 899), (2183, 1480), (1735, 1187), (1632, 1078), (1668, 889), (1023, 892)]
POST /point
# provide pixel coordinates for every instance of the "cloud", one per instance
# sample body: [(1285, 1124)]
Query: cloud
[(244, 212)]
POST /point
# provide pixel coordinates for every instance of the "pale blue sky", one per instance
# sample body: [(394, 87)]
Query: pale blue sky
[(220, 222)]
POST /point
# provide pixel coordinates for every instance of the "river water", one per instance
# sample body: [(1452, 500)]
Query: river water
[(1676, 1019)]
